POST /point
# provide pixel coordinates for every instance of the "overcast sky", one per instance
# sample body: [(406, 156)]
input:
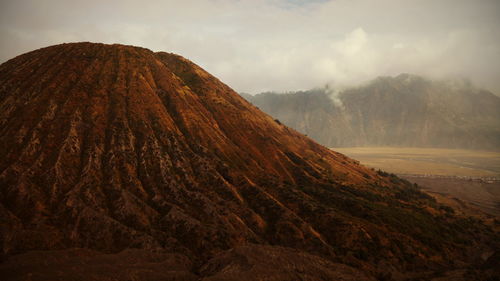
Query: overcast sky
[(260, 45)]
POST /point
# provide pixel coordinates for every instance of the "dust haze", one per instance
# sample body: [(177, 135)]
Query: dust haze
[(278, 45)]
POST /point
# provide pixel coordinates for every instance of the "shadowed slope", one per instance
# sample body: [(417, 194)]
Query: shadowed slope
[(111, 147)]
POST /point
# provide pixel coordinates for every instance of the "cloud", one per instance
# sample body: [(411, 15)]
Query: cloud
[(334, 94), (278, 45)]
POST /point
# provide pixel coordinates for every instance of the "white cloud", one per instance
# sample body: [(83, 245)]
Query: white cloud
[(279, 45)]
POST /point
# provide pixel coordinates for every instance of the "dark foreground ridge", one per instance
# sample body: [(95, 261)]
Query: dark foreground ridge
[(137, 165)]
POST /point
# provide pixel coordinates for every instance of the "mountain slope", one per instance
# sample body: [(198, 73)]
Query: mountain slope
[(406, 110), (111, 147)]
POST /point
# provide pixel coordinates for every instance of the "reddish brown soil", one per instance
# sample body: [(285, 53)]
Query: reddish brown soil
[(111, 147)]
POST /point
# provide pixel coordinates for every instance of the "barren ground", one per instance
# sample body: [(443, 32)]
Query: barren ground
[(471, 176)]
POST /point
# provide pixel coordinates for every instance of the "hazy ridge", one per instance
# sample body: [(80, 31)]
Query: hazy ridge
[(406, 110)]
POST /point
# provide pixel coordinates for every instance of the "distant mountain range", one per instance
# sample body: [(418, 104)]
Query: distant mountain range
[(406, 110)]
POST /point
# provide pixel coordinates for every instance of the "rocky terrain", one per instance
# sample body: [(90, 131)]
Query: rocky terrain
[(118, 163), (406, 110)]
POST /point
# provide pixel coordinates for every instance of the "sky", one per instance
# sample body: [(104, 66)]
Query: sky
[(278, 45)]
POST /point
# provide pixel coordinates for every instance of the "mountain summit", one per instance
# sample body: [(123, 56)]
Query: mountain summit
[(111, 148)]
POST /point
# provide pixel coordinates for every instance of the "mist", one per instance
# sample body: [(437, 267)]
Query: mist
[(278, 45)]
